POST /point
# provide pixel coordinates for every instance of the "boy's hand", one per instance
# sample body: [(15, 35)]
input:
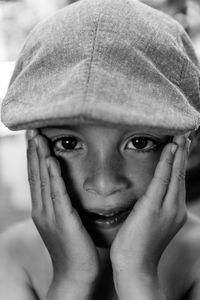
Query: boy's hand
[(73, 254), (154, 220)]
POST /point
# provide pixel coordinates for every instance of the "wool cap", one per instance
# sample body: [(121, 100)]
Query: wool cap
[(120, 62)]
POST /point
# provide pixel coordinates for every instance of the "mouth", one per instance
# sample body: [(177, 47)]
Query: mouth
[(106, 219)]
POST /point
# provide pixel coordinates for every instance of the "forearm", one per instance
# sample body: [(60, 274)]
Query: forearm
[(140, 288), (69, 291)]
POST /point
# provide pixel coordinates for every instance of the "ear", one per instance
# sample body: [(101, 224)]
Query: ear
[(195, 139), (196, 134)]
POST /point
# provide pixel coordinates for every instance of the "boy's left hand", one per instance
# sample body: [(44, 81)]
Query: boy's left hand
[(155, 219)]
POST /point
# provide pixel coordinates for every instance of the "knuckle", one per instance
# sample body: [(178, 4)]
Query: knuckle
[(55, 196), (56, 179), (33, 178), (163, 180), (169, 161), (43, 184), (179, 174)]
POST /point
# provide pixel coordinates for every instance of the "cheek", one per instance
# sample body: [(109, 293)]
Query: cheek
[(141, 171), (72, 172)]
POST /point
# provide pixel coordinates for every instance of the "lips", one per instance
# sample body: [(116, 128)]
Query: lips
[(106, 218)]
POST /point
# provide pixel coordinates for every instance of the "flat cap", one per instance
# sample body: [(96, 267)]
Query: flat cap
[(110, 61)]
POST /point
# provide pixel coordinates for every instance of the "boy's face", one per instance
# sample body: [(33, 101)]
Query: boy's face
[(106, 169)]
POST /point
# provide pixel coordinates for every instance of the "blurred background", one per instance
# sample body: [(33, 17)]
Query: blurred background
[(17, 18)]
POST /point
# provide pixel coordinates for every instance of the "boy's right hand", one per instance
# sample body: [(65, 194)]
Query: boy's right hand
[(73, 253)]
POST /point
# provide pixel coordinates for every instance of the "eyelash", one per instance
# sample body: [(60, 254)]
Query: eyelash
[(60, 139), (158, 144), (58, 149)]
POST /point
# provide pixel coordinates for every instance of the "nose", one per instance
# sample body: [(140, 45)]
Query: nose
[(105, 179)]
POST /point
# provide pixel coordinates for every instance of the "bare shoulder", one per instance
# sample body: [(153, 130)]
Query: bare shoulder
[(181, 261), (22, 251), (191, 241), (189, 237), (191, 247)]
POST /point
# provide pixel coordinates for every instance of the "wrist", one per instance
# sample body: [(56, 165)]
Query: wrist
[(135, 270), (67, 289), (138, 286)]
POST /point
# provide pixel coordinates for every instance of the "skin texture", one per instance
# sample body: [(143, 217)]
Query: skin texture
[(106, 170)]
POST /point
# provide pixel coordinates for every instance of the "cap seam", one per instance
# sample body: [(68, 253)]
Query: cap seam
[(182, 78), (182, 72), (175, 81), (179, 41), (92, 58)]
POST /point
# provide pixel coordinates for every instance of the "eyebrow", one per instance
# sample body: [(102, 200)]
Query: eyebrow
[(52, 131)]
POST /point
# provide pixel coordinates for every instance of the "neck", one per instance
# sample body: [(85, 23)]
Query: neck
[(105, 286)]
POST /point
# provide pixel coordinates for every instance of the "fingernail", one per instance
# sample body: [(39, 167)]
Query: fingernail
[(36, 141), (180, 140), (188, 144), (174, 147), (48, 162), (31, 133), (187, 134)]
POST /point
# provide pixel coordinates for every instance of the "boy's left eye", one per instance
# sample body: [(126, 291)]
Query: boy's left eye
[(142, 144)]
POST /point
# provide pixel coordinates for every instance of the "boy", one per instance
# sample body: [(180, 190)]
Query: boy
[(112, 93)]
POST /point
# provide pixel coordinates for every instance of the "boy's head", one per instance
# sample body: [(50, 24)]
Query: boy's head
[(108, 83), (111, 61)]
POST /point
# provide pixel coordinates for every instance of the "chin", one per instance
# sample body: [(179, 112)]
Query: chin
[(102, 238)]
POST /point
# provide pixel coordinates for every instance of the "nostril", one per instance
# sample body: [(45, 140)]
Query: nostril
[(105, 185)]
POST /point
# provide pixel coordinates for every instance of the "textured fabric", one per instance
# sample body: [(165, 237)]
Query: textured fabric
[(116, 61)]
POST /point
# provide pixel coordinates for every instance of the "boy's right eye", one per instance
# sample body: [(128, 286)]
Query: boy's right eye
[(66, 144)]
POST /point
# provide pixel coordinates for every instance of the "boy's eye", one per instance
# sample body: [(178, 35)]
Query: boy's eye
[(67, 144), (143, 144)]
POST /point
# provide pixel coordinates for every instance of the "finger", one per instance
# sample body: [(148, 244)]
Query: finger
[(187, 151), (60, 199), (44, 150), (159, 184), (43, 153), (176, 191), (31, 133), (34, 176)]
